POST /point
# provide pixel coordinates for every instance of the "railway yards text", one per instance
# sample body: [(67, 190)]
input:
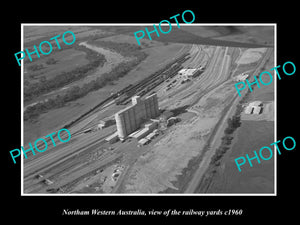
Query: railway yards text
[(36, 144), (267, 74)]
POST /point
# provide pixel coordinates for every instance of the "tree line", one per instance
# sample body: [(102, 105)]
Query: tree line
[(125, 49), (75, 92), (44, 85), (232, 125)]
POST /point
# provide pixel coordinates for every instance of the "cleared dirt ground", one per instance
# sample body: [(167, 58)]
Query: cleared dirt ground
[(248, 34)]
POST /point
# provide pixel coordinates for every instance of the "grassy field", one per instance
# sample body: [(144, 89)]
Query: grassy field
[(252, 135), (179, 35), (247, 34), (66, 60), (265, 93), (263, 35), (33, 35)]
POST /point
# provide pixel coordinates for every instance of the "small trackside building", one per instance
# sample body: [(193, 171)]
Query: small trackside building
[(254, 107)]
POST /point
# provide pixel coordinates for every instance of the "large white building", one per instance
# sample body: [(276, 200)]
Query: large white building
[(187, 72), (253, 108), (130, 119), (241, 77)]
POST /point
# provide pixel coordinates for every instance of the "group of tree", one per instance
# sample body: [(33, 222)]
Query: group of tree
[(43, 85), (75, 92), (232, 124)]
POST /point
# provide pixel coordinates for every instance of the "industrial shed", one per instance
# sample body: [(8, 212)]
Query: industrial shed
[(257, 109), (254, 108), (255, 103), (248, 110), (143, 141), (112, 138)]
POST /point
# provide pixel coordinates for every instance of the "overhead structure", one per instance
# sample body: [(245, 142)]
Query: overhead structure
[(130, 119)]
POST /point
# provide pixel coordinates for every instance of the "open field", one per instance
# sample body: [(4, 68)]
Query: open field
[(178, 35), (249, 34), (36, 34), (252, 135), (178, 158), (66, 60)]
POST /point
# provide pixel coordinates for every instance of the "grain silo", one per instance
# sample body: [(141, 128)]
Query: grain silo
[(248, 110), (120, 125), (130, 119)]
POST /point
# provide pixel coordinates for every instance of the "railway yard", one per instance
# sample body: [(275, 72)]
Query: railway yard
[(202, 102)]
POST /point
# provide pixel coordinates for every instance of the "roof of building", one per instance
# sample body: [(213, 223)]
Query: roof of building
[(134, 133), (151, 125), (137, 99), (187, 72), (155, 131), (255, 103), (125, 109), (150, 136), (143, 141), (140, 133), (151, 96), (241, 77), (106, 121), (112, 136), (256, 109), (248, 109)]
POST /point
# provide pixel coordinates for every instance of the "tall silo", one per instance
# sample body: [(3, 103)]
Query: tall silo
[(148, 107), (132, 120), (120, 125), (156, 105), (153, 105), (127, 121)]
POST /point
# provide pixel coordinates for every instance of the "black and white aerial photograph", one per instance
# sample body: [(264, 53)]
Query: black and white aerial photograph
[(144, 113), (157, 115)]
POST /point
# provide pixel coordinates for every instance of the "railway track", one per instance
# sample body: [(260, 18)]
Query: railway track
[(147, 84), (47, 162), (171, 68), (215, 139), (57, 168)]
